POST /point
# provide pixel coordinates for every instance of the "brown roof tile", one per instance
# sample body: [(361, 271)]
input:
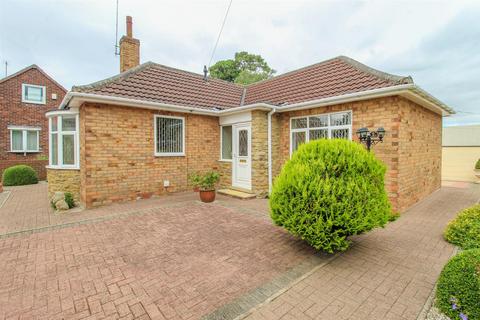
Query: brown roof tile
[(334, 77), (157, 83)]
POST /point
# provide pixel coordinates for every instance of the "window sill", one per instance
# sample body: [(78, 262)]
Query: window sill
[(225, 160), (62, 168), (34, 102), (39, 151), (161, 155)]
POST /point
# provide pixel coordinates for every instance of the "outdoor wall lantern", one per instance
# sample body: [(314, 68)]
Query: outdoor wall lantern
[(370, 138)]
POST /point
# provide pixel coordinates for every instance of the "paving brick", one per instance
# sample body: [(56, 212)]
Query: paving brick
[(156, 258), (390, 281)]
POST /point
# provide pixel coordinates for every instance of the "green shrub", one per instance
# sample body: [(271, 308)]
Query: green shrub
[(69, 200), (458, 288), (477, 165), (329, 190), (195, 179), (208, 180), (464, 230), (19, 175)]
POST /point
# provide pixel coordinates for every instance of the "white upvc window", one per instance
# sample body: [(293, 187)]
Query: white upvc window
[(169, 136), (33, 93), (24, 139), (337, 125), (226, 143), (63, 140)]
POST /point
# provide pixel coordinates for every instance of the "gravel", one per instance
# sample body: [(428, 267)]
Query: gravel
[(435, 314)]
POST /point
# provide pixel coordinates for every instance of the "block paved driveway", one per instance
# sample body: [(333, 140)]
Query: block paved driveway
[(387, 274), (166, 260), (175, 258)]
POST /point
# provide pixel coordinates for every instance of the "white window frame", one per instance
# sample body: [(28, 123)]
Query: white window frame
[(155, 129), (24, 130), (221, 143), (329, 127), (60, 133), (24, 98)]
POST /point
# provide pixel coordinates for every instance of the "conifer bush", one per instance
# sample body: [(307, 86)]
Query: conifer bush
[(328, 191)]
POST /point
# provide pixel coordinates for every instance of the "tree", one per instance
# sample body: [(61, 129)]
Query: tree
[(245, 68)]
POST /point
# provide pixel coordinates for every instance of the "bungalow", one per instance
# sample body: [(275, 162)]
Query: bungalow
[(143, 131)]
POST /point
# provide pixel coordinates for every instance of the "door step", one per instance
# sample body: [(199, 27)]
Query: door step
[(237, 194)]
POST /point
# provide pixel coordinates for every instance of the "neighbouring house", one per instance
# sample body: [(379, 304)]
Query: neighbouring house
[(25, 97), (460, 152), (143, 131)]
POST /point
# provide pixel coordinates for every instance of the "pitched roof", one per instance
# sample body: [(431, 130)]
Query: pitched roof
[(33, 66), (334, 77), (157, 83)]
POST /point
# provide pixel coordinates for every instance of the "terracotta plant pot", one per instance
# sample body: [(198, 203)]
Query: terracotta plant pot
[(207, 195)]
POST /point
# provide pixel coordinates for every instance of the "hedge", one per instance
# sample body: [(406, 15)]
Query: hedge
[(19, 175), (464, 230), (328, 191), (458, 288)]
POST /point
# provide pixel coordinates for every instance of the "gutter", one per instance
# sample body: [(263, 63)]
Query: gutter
[(96, 98), (405, 89), (349, 97)]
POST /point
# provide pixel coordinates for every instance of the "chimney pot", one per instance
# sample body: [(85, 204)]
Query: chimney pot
[(129, 27)]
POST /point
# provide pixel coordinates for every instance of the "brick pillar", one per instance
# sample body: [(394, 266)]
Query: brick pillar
[(129, 49)]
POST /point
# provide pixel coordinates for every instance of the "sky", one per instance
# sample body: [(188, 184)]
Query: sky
[(435, 42)]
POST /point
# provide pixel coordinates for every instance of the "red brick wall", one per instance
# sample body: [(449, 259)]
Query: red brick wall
[(117, 153), (14, 112), (403, 151)]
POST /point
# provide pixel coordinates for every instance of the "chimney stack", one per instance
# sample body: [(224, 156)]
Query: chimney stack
[(129, 27), (129, 49)]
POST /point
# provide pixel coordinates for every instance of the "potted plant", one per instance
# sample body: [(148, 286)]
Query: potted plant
[(195, 179), (207, 186), (477, 169)]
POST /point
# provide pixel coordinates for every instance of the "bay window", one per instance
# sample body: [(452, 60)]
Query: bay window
[(24, 139), (336, 125), (63, 139), (169, 136)]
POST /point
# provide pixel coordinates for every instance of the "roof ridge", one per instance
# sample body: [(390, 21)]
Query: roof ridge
[(139, 68), (32, 66), (242, 99), (375, 72), (198, 75), (13, 75), (354, 63)]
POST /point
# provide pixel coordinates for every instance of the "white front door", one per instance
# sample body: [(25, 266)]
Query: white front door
[(242, 164)]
